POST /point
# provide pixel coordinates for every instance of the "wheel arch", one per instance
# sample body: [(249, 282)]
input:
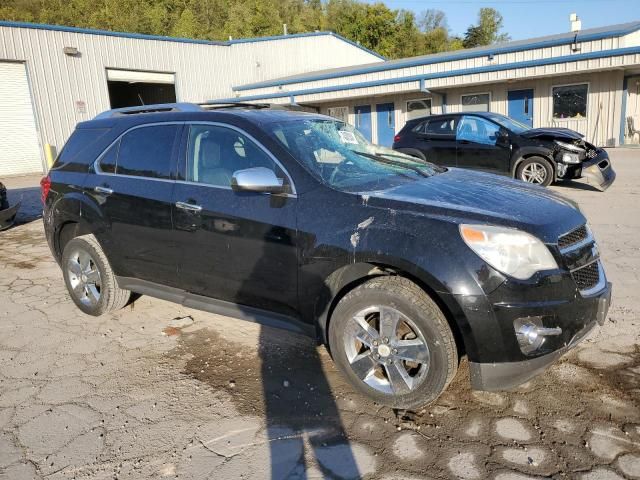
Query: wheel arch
[(526, 155), (348, 277)]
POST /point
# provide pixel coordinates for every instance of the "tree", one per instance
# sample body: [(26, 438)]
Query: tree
[(487, 31)]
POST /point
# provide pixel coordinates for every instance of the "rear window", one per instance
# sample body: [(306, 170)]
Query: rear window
[(142, 152), (441, 126), (76, 154)]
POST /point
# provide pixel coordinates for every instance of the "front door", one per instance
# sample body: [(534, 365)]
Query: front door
[(363, 120), (482, 145), (521, 106), (238, 247), (385, 116)]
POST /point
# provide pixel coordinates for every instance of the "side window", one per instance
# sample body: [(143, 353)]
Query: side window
[(146, 151), (440, 126), (214, 153), (477, 130), (109, 159)]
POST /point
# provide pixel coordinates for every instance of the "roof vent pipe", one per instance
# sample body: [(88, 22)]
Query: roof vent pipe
[(576, 23)]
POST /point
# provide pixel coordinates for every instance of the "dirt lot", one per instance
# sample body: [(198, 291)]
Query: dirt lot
[(161, 391)]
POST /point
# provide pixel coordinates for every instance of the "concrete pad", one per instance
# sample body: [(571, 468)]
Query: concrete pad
[(629, 464), (513, 429)]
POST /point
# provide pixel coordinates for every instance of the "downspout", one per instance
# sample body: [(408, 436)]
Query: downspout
[(623, 112)]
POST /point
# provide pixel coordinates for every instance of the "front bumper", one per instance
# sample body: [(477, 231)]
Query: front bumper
[(598, 172), (8, 216), (506, 375)]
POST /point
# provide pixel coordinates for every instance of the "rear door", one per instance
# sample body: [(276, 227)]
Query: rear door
[(132, 186), (386, 124), (239, 247), (437, 140), (363, 120), (481, 145)]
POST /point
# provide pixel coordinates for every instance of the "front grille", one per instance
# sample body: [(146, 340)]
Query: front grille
[(587, 277), (573, 237), (592, 153)]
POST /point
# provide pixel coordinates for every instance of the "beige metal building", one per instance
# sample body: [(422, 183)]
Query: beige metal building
[(52, 77), (588, 81)]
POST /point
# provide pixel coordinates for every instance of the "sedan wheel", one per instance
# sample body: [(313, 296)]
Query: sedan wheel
[(386, 350), (534, 173)]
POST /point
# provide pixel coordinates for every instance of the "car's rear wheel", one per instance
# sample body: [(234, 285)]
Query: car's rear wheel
[(89, 278), (535, 170), (393, 343)]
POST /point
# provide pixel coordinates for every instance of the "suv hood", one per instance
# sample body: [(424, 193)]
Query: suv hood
[(465, 196), (560, 133)]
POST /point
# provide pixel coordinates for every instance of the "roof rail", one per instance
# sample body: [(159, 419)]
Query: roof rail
[(156, 108), (230, 104)]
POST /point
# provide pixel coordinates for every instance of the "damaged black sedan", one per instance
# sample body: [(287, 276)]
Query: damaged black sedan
[(497, 144)]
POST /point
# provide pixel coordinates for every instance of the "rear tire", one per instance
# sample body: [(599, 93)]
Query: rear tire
[(89, 279), (535, 170), (393, 343)]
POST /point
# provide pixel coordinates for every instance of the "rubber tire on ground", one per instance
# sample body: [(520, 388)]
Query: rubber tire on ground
[(411, 300), (543, 161), (112, 297)]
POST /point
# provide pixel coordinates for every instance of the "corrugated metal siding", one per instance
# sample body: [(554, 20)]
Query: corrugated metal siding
[(601, 126), (470, 63), (202, 71), (20, 151)]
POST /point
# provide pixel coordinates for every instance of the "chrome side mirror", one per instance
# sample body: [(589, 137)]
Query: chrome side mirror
[(257, 179)]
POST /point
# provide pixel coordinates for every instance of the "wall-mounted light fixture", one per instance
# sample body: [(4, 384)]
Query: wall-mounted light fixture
[(71, 51), (490, 57)]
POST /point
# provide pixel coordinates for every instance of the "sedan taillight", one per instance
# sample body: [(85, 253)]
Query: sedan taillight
[(396, 138)]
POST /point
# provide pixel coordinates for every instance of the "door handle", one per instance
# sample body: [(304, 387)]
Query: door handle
[(190, 207), (103, 190)]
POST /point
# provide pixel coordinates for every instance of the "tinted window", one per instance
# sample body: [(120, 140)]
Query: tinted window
[(146, 151), (570, 101), (215, 153), (441, 126), (478, 130), (109, 159), (76, 150)]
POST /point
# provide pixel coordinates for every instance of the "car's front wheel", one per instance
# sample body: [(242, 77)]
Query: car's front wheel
[(393, 343), (535, 170), (89, 278)]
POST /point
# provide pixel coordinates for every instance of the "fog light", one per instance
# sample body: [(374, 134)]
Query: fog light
[(531, 334)]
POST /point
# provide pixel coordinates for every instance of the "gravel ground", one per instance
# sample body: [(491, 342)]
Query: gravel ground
[(160, 391)]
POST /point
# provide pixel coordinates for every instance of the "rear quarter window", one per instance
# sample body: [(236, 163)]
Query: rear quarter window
[(78, 154), (147, 151)]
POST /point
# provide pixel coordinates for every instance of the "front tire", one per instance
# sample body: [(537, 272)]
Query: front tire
[(89, 279), (536, 170), (393, 343)]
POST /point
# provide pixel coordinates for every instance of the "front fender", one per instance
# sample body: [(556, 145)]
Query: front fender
[(527, 151)]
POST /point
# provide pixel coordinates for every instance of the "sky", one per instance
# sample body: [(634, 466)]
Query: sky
[(529, 18)]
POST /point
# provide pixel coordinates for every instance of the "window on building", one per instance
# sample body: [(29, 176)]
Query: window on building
[(570, 101), (476, 102), (418, 108), (341, 113), (477, 130), (216, 153), (146, 151)]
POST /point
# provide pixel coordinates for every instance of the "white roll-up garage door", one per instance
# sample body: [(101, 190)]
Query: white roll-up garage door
[(19, 146)]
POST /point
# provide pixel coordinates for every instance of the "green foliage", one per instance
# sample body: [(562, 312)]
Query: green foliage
[(392, 33), (487, 31)]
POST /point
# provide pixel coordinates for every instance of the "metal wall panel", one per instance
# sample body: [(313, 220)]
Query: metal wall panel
[(69, 89)]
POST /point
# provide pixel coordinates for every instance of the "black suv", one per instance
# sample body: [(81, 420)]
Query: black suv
[(497, 144), (399, 266)]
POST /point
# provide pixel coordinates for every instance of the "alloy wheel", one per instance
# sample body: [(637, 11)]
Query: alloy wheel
[(534, 173), (84, 278), (386, 350)]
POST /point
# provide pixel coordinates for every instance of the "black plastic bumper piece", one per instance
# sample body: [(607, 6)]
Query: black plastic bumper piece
[(507, 375), (8, 216)]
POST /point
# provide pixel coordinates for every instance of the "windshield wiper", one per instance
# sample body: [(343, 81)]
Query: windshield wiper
[(388, 161)]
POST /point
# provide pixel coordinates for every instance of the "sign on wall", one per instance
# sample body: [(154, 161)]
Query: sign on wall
[(341, 113)]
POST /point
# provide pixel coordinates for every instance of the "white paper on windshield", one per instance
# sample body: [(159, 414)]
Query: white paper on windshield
[(347, 137)]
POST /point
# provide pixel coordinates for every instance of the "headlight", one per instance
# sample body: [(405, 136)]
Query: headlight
[(570, 158), (513, 252), (568, 146)]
